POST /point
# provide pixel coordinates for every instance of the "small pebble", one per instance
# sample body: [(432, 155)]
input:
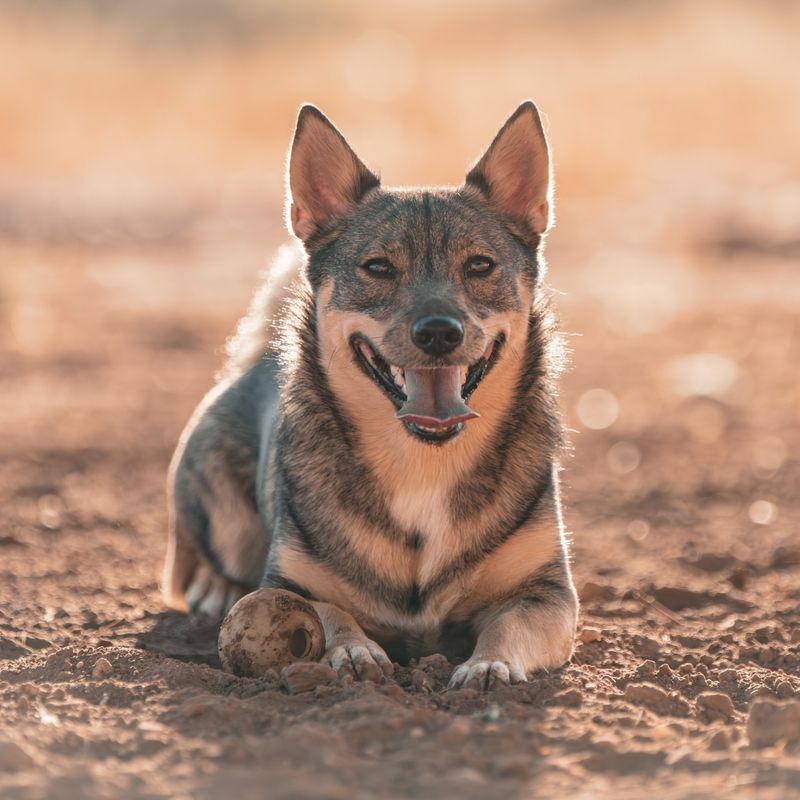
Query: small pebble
[(304, 676), (700, 681), (728, 676), (420, 681), (784, 690), (588, 635), (435, 660), (645, 693), (102, 669), (716, 703), (656, 699)]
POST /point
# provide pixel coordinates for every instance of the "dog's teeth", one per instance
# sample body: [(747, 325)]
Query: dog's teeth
[(426, 429)]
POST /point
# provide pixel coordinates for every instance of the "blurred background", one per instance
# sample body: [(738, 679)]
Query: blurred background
[(142, 150)]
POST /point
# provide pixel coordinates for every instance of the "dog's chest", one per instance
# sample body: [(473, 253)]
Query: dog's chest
[(425, 512)]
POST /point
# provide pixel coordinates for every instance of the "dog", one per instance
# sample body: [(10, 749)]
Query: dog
[(385, 437)]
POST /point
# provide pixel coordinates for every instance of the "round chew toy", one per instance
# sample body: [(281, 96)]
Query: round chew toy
[(269, 629)]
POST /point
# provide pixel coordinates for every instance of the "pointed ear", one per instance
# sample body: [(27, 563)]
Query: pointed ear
[(326, 179), (514, 173)]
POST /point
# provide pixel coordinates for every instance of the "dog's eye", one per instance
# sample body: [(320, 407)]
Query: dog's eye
[(379, 268), (478, 266)]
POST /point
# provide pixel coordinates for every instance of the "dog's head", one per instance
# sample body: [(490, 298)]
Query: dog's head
[(420, 294)]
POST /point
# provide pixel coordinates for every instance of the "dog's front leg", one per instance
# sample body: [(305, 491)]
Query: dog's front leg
[(518, 638), (348, 650)]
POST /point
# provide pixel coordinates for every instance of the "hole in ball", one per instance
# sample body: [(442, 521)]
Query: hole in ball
[(300, 643)]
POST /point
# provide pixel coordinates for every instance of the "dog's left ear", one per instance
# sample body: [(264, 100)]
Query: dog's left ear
[(326, 178), (514, 173)]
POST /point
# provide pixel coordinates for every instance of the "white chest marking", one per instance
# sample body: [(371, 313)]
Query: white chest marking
[(426, 511)]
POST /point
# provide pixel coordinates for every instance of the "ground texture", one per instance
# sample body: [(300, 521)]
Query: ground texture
[(684, 511)]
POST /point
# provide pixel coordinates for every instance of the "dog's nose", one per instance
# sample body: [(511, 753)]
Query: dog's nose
[(437, 335)]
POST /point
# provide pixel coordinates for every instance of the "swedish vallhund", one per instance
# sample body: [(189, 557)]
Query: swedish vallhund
[(385, 437)]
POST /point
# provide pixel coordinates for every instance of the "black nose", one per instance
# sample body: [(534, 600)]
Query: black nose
[(437, 335)]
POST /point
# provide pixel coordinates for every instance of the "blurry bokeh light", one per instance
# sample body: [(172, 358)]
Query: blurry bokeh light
[(623, 457), (597, 409), (769, 454), (638, 530), (707, 374), (762, 512)]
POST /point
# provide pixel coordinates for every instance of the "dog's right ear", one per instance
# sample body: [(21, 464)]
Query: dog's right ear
[(326, 178)]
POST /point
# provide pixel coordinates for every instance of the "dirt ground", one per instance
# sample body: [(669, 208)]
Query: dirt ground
[(679, 298)]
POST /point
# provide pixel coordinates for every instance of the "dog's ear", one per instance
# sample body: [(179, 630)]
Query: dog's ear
[(326, 179), (514, 173)]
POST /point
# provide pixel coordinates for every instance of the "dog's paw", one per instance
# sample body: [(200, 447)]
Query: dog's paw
[(210, 594), (485, 673), (360, 659)]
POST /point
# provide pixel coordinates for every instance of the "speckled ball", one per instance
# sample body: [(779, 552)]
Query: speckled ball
[(269, 629)]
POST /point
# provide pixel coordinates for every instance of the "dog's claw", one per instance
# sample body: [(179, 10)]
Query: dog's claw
[(360, 659), (483, 674)]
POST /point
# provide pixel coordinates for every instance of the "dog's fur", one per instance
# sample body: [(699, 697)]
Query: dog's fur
[(294, 472)]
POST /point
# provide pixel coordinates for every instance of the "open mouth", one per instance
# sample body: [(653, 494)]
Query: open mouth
[(432, 402)]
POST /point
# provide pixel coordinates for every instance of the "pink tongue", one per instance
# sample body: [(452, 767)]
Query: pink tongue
[(434, 398)]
